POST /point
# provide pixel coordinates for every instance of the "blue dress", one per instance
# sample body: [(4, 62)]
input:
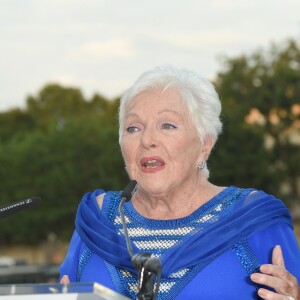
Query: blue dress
[(206, 255)]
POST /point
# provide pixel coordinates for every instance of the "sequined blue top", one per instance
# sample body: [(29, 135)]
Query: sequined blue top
[(222, 276)]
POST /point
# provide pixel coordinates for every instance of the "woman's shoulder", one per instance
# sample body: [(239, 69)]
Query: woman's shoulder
[(251, 195), (98, 195), (100, 198)]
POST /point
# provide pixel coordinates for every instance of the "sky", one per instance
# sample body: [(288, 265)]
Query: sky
[(102, 46)]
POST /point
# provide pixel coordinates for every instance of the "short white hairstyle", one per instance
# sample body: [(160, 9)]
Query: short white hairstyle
[(198, 94)]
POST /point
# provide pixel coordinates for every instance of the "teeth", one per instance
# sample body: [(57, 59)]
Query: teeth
[(149, 167), (148, 163)]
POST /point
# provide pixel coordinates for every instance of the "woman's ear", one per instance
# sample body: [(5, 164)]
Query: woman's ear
[(206, 148)]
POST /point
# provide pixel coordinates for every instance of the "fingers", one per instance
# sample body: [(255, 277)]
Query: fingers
[(268, 295), (283, 285), (277, 257), (277, 277), (65, 279), (276, 274)]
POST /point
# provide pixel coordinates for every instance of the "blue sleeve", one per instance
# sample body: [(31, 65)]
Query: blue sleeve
[(264, 242), (70, 264)]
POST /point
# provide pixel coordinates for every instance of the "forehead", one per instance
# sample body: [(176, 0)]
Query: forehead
[(158, 100)]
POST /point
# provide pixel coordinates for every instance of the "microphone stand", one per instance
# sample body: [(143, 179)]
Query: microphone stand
[(146, 264)]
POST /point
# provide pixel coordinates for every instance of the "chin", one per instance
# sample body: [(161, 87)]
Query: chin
[(152, 187)]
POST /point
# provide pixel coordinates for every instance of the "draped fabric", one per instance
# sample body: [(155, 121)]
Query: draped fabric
[(252, 212), (99, 234)]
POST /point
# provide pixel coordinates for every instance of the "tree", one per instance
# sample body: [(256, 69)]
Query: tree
[(13, 122), (56, 104), (57, 161), (260, 95)]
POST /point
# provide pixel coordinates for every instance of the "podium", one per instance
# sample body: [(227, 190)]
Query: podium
[(71, 291)]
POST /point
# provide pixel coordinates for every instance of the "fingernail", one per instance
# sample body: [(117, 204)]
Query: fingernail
[(262, 293), (254, 277)]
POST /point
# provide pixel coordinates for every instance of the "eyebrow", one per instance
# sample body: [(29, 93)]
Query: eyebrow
[(159, 113), (171, 111)]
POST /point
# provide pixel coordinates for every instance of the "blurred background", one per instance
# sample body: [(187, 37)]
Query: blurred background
[(64, 65)]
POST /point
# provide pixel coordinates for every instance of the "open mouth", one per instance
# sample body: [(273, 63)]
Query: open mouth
[(152, 164)]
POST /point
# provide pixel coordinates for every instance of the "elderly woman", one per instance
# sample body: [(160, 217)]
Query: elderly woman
[(214, 242)]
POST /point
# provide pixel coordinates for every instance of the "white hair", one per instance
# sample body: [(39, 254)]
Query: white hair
[(198, 94)]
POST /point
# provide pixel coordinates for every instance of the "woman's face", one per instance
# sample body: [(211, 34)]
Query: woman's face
[(160, 144)]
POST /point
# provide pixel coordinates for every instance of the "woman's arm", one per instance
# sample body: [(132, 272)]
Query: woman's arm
[(70, 264)]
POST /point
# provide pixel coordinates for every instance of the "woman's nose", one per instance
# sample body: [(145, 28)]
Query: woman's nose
[(149, 138)]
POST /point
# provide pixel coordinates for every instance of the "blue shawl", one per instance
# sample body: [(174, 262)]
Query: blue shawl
[(251, 213)]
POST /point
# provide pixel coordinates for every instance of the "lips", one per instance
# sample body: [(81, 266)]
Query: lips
[(152, 164)]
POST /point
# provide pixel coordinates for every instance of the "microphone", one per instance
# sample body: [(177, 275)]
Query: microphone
[(126, 195), (18, 206), (129, 190), (146, 264)]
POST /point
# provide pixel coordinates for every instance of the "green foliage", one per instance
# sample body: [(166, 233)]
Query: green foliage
[(13, 122), (59, 160), (261, 110)]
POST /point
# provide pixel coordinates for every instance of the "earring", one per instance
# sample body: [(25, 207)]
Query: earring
[(202, 165)]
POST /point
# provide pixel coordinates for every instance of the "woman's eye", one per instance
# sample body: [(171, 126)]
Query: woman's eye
[(132, 129), (168, 126)]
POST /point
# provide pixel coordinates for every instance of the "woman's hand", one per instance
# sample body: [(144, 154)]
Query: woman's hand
[(65, 279), (277, 277)]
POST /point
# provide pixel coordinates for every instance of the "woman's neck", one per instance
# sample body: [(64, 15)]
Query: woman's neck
[(175, 205)]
